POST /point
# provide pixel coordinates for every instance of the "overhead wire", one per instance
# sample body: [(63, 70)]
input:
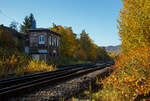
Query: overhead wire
[(10, 18)]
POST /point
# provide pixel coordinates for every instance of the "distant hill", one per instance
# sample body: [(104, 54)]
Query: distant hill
[(113, 49)]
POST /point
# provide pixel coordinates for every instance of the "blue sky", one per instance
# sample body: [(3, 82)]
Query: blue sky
[(97, 17)]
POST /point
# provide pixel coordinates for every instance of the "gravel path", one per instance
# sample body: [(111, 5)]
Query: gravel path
[(61, 91)]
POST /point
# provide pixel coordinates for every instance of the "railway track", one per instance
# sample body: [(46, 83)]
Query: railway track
[(19, 85)]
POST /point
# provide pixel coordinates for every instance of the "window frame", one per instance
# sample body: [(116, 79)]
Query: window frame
[(42, 39), (50, 40)]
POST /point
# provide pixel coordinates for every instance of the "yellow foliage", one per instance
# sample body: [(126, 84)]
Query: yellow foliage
[(130, 78), (134, 24), (21, 64), (68, 41), (113, 55), (38, 66), (82, 48), (132, 68)]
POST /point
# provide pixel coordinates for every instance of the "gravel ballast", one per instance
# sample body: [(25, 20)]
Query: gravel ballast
[(62, 90)]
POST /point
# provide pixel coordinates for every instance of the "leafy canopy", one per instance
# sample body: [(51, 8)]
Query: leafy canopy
[(134, 24)]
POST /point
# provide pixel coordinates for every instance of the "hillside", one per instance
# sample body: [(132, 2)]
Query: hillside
[(113, 49)]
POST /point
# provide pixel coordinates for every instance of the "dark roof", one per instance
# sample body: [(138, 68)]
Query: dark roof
[(13, 32), (41, 30)]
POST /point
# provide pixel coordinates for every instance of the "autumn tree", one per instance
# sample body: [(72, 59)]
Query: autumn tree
[(134, 24), (131, 79), (102, 54), (28, 23), (88, 46), (82, 48), (68, 40), (85, 42)]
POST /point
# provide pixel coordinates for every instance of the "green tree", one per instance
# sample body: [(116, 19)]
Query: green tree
[(13, 25), (28, 23), (6, 39), (8, 44)]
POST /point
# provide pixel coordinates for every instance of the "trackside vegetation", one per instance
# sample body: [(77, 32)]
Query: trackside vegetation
[(132, 69), (73, 50), (20, 65)]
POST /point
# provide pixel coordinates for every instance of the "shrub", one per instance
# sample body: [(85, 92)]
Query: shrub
[(13, 64), (38, 66), (18, 65), (130, 78)]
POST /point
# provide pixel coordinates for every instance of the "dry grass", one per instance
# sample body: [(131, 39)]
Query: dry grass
[(19, 65), (38, 66)]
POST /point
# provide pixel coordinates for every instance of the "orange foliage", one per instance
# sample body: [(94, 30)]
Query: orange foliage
[(132, 75)]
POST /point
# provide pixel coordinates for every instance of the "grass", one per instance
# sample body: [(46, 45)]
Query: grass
[(21, 65), (16, 65), (66, 61)]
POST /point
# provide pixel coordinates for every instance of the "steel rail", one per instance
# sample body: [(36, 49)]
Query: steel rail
[(17, 80), (34, 82)]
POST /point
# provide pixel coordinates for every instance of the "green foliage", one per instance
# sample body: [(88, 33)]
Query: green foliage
[(13, 25), (27, 24), (13, 59), (9, 44), (65, 61), (6, 39)]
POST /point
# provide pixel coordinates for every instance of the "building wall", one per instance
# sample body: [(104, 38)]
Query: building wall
[(47, 51), (54, 45), (34, 38)]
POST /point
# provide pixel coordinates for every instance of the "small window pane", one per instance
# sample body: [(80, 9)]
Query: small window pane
[(42, 39), (49, 40), (57, 42)]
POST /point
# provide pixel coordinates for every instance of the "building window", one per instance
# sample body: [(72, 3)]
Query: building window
[(41, 39), (26, 49), (50, 40), (35, 56), (34, 35), (53, 41), (54, 53), (57, 42)]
